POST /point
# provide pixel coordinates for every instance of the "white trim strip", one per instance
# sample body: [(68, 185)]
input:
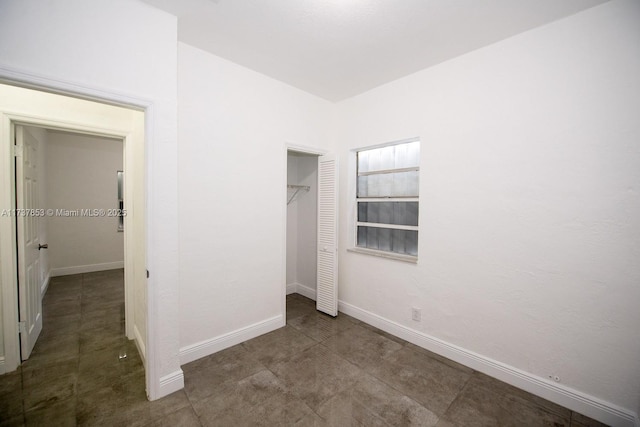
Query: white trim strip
[(171, 383), (575, 400), (292, 288), (78, 269), (386, 171), (390, 255), (390, 226), (386, 144), (304, 290), (140, 344), (386, 199), (204, 348)]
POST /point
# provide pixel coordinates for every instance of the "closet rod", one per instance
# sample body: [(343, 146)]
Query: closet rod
[(298, 188)]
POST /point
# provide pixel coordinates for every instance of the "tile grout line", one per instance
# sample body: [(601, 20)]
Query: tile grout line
[(458, 394), (364, 371)]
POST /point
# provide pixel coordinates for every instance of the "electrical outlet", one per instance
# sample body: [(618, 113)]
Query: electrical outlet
[(416, 314)]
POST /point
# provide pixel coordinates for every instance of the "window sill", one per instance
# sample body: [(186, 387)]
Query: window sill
[(389, 255)]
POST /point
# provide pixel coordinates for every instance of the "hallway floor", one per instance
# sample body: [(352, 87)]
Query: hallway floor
[(316, 371)]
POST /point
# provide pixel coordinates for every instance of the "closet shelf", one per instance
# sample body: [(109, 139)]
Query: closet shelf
[(294, 190)]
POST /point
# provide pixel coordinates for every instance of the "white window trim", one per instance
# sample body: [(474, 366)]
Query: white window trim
[(353, 195), (384, 254)]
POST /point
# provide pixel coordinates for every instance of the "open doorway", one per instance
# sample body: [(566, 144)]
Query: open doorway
[(71, 184), (302, 212), (26, 107), (311, 230)]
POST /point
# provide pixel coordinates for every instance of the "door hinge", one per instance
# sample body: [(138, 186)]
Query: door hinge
[(22, 327), (17, 150), (147, 274)]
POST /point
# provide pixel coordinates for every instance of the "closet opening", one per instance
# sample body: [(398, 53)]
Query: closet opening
[(311, 232), (302, 231)]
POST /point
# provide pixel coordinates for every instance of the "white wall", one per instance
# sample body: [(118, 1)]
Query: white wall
[(116, 48), (529, 216), (82, 174), (234, 125), (301, 222)]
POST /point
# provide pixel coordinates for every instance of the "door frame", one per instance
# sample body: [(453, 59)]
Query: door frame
[(314, 151), (138, 176)]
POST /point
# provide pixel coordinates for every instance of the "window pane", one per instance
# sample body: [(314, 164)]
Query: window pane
[(363, 161), (399, 184), (411, 242), (397, 213), (362, 237), (407, 155), (372, 238), (363, 212), (385, 239), (385, 212), (404, 155)]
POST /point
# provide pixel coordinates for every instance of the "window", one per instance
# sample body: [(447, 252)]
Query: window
[(387, 198)]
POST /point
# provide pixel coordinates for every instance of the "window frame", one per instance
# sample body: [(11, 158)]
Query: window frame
[(354, 196)]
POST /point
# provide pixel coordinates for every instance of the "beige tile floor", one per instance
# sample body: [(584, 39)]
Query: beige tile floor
[(316, 371)]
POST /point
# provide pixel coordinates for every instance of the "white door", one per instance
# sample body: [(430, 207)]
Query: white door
[(27, 219), (327, 283)]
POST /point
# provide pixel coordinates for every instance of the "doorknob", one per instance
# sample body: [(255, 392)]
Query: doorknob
[(45, 246)]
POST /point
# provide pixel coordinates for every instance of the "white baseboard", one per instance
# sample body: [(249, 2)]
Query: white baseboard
[(299, 288), (204, 348), (90, 268), (140, 344), (171, 383), (573, 399), (2, 365), (307, 291)]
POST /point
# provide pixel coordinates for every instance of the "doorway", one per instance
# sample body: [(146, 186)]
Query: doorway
[(312, 228), (302, 208), (27, 107), (71, 183)]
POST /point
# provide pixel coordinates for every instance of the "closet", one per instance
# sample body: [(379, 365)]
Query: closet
[(302, 201)]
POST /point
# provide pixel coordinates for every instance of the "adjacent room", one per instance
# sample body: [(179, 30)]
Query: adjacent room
[(362, 212)]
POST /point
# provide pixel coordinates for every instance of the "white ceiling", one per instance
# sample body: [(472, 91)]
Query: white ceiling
[(339, 48)]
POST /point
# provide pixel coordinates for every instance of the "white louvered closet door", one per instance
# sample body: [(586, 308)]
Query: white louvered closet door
[(327, 284)]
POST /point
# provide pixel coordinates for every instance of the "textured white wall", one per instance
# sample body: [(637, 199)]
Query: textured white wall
[(234, 125), (120, 47), (529, 216), (81, 174)]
